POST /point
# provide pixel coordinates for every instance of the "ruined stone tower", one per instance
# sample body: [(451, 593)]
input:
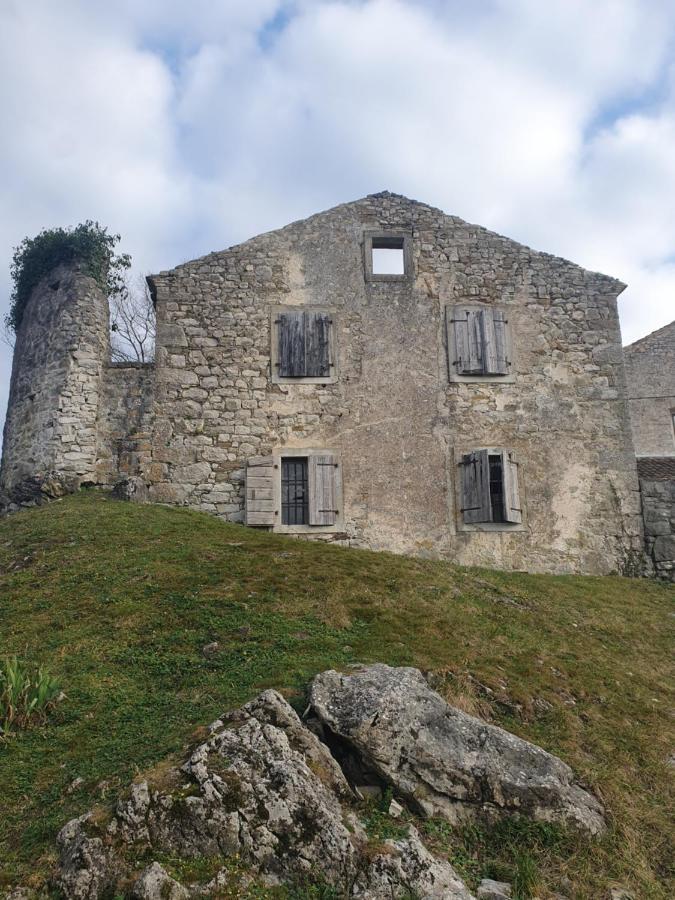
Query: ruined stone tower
[(62, 345)]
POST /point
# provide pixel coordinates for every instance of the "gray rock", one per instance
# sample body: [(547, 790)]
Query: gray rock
[(263, 787), (405, 868), (441, 760), (493, 890), (132, 488), (156, 884), (87, 867)]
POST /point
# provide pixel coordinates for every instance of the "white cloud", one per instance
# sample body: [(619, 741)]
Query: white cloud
[(190, 126)]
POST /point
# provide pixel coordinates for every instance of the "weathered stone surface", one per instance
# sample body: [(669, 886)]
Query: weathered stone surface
[(650, 380), (493, 890), (441, 760), (132, 488), (87, 867), (155, 883), (262, 787), (404, 869)]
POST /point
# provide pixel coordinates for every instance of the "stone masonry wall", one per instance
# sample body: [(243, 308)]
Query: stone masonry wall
[(51, 423), (125, 423), (658, 499), (650, 377), (392, 414)]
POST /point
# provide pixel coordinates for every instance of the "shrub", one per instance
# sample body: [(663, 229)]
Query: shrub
[(88, 243), (26, 695)]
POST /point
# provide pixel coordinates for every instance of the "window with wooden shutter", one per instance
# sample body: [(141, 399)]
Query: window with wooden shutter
[(489, 488), (476, 487), (303, 344), (322, 489), (261, 473), (477, 341)]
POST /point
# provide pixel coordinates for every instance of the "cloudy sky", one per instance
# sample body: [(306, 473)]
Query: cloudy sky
[(189, 126)]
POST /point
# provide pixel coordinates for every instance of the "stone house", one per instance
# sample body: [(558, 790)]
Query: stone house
[(650, 378), (381, 374)]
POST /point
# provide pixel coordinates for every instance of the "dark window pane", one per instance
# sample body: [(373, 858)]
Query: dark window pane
[(294, 491), (496, 488)]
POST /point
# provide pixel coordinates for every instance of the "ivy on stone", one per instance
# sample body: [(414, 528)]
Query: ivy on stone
[(88, 244)]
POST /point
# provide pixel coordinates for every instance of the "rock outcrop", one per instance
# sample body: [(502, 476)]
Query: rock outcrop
[(265, 789), (442, 761)]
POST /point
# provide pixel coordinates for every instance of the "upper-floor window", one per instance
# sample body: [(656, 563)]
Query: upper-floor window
[(303, 346), (479, 343), (387, 256)]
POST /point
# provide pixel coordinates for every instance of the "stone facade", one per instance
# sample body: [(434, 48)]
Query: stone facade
[(391, 414), (650, 378)]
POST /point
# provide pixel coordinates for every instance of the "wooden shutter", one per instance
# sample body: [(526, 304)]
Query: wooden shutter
[(291, 337), (322, 489), (476, 506), (512, 509), (317, 344), (304, 344), (493, 339), (468, 341), (260, 482)]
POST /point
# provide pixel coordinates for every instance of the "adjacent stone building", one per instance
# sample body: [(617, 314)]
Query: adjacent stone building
[(381, 374), (650, 378)]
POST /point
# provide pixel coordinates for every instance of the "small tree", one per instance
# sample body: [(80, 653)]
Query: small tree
[(132, 323)]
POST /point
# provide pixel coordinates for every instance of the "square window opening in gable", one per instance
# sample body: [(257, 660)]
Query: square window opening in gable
[(388, 257)]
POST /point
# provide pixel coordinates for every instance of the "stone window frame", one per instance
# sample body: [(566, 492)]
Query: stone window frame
[(498, 527), (274, 346), (449, 339), (338, 525), (389, 235)]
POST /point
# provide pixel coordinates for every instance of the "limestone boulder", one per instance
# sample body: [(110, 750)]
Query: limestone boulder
[(442, 761), (405, 868), (155, 883)]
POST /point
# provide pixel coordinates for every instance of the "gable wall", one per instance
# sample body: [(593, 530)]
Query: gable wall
[(392, 414)]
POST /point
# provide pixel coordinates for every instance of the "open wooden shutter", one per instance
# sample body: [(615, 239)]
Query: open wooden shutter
[(317, 344), (512, 508), (291, 336), (475, 470), (493, 339), (322, 489), (260, 504)]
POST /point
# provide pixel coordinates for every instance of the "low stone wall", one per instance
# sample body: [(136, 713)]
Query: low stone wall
[(657, 484)]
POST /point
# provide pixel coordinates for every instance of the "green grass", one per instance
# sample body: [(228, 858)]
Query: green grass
[(117, 601)]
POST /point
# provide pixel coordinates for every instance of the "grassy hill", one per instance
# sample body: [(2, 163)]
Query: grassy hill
[(118, 601)]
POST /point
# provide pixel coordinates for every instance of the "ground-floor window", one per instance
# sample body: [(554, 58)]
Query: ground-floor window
[(294, 490)]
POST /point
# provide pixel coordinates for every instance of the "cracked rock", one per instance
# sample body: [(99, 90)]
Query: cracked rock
[(442, 761)]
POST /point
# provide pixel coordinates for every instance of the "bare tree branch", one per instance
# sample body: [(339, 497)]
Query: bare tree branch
[(132, 324)]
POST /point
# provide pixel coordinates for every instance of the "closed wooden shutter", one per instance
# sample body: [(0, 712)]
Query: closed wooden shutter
[(303, 344), (260, 484), (291, 337), (322, 489), (477, 340), (475, 470), (512, 508), (467, 343), (317, 345), (493, 338)]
